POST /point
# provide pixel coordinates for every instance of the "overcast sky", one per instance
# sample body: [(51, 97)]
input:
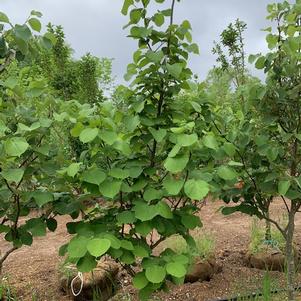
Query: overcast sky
[(96, 26)]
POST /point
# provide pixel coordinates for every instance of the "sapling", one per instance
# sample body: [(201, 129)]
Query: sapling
[(145, 157), (275, 166), (26, 107)]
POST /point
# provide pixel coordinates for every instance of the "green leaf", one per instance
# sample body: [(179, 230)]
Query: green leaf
[(176, 269), (22, 32), (126, 5), (174, 151), (272, 153), (98, 247), (77, 247), (36, 13), (42, 197), (187, 140), (126, 217), (177, 163), (13, 175), (196, 189), (135, 15), (159, 135), (191, 221), (3, 18), (155, 57), (139, 32), (110, 188), (194, 48), (244, 208), (260, 63), (210, 142), (94, 176), (175, 70), (127, 245), (283, 187), (119, 173), (16, 146), (145, 212), (141, 251), (159, 19), (155, 274), (35, 24), (152, 194), (86, 264), (73, 169), (164, 210), (226, 173), (36, 226), (127, 257), (229, 149), (51, 224), (140, 281), (143, 228), (108, 137), (88, 135), (115, 242), (131, 122), (173, 186)]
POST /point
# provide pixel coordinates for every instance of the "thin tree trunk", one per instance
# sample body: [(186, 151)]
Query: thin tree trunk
[(290, 258), (268, 232)]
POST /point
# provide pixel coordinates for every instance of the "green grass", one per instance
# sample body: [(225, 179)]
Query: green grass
[(258, 242), (205, 245), (7, 293)]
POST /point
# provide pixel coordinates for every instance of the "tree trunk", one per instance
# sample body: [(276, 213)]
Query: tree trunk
[(268, 232), (290, 258)]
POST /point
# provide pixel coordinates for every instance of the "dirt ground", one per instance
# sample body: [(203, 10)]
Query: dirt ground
[(33, 271)]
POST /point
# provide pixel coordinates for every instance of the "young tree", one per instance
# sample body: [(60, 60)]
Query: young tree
[(231, 52), (274, 137), (145, 160), (26, 118)]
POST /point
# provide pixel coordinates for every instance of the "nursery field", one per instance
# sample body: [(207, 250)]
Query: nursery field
[(33, 272), (107, 190)]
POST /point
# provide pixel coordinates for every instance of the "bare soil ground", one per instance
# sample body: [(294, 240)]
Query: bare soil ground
[(33, 271)]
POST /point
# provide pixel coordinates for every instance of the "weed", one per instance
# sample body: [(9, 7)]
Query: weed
[(258, 242), (6, 291), (205, 245)]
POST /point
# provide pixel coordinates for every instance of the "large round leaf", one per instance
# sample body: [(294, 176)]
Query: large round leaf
[(98, 247), (140, 281), (88, 135), (226, 173), (13, 175), (110, 188), (196, 189), (187, 140), (173, 186), (94, 176), (16, 146), (86, 264), (77, 247), (155, 274), (176, 269), (177, 163)]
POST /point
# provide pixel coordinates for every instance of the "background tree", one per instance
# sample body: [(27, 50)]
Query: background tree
[(26, 121), (276, 135)]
